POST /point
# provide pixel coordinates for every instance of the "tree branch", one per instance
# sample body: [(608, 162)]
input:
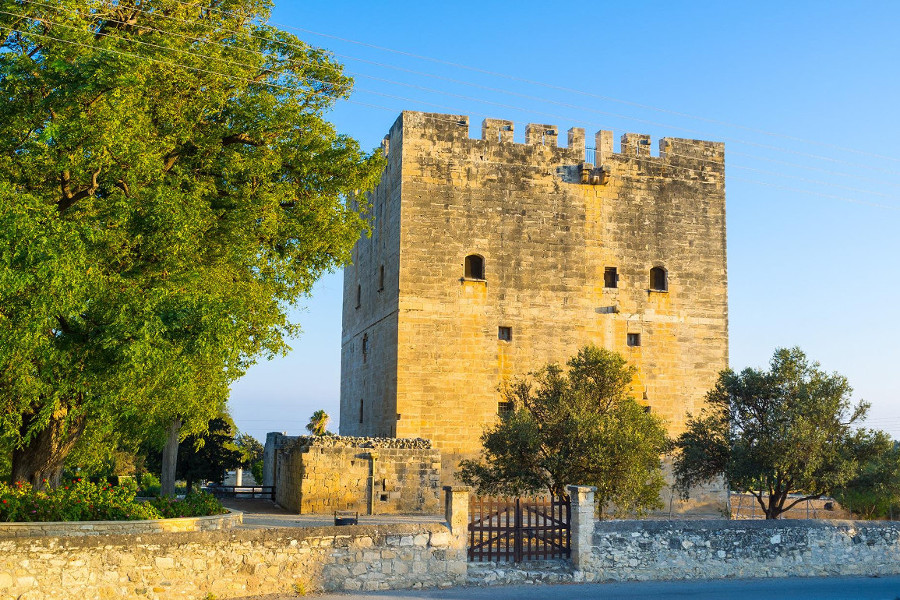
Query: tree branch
[(240, 138), (68, 198), (799, 500), (124, 187)]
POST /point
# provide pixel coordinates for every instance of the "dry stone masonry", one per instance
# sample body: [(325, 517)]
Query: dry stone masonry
[(489, 258), (238, 564), (712, 549)]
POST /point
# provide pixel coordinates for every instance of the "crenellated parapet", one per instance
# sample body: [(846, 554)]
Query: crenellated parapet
[(675, 157)]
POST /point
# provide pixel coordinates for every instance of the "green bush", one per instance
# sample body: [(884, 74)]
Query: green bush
[(149, 485), (195, 504), (82, 500)]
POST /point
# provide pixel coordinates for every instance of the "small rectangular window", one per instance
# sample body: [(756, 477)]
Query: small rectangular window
[(610, 278), (634, 339), (504, 408), (381, 279), (505, 334), (360, 410)]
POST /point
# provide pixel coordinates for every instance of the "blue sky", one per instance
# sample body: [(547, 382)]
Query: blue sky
[(805, 96)]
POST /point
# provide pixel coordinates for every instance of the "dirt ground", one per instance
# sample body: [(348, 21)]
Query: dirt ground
[(745, 506)]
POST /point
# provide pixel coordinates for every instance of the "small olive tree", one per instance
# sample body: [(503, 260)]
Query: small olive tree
[(784, 435), (874, 491), (575, 426)]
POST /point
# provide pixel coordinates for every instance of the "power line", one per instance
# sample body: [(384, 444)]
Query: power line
[(246, 80), (553, 86), (442, 107), (578, 107)]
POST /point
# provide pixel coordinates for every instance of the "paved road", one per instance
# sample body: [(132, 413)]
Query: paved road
[(831, 588)]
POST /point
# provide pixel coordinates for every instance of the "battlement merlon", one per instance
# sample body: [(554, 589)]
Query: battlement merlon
[(676, 151)]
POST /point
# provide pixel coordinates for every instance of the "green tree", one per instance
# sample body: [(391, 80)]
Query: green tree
[(168, 190), (203, 456), (773, 433), (575, 426), (207, 456), (874, 492), (251, 454), (318, 423)]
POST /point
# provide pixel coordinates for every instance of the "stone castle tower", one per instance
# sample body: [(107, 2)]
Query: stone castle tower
[(489, 258)]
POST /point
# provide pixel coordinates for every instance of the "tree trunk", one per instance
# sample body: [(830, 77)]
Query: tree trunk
[(169, 460), (40, 463)]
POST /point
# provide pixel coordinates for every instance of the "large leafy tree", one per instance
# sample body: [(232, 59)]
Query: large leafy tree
[(208, 456), (783, 434), (168, 189), (575, 426)]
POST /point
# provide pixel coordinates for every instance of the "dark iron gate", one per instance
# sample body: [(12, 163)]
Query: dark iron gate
[(518, 529)]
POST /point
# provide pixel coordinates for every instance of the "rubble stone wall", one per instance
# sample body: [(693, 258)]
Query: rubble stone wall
[(714, 549), (236, 564)]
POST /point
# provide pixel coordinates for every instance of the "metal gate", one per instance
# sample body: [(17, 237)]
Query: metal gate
[(517, 529)]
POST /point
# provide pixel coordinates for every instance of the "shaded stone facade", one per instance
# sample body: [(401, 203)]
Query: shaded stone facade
[(320, 475), (489, 258)]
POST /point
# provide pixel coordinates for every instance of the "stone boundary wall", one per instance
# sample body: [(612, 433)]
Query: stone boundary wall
[(720, 548), (349, 441), (651, 550), (235, 564), (239, 563), (82, 528)]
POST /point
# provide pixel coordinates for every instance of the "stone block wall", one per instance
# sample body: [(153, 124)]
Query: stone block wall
[(286, 562), (423, 354), (316, 475), (658, 550)]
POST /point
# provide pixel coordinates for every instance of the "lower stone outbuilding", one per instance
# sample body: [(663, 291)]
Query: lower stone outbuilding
[(324, 474)]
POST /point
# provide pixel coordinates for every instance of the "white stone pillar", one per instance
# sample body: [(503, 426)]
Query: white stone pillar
[(581, 524), (239, 477)]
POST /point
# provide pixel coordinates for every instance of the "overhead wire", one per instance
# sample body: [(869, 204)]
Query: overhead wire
[(176, 64), (550, 86), (499, 90), (443, 107)]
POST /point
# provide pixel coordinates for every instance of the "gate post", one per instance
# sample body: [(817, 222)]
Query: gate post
[(456, 509), (581, 498)]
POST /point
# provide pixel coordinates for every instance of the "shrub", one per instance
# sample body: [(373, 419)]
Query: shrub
[(149, 485), (80, 500), (195, 504)]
